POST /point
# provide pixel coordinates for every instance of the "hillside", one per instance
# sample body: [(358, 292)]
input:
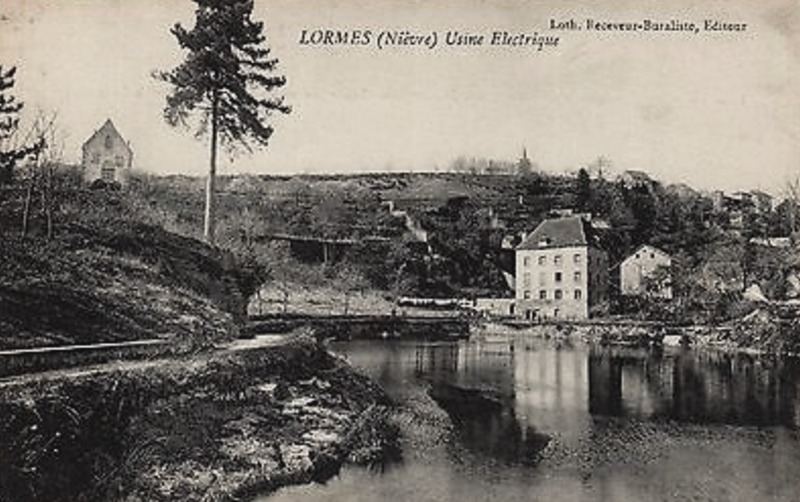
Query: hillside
[(107, 275), (442, 234)]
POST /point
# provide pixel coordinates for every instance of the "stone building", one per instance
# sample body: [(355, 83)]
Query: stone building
[(106, 156), (561, 271), (646, 272)]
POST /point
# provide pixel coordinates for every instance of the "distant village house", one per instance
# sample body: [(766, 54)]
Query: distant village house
[(561, 271), (646, 272), (107, 156)]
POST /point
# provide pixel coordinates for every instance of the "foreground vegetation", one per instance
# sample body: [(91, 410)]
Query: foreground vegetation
[(222, 426)]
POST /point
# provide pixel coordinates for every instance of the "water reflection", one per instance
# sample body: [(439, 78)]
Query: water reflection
[(488, 425), (693, 386), (563, 387), (531, 420)]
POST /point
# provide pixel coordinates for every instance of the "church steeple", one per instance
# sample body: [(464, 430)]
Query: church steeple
[(524, 165)]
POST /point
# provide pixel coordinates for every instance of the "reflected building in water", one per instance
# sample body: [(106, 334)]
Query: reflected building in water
[(693, 386), (565, 388)]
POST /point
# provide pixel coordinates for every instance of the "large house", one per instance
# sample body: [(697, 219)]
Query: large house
[(106, 156), (646, 272), (561, 271)]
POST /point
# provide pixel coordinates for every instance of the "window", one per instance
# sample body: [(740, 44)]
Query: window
[(559, 294), (543, 294), (526, 280), (576, 258), (526, 261), (652, 255), (527, 295), (118, 160), (107, 174), (557, 259), (109, 143), (542, 260), (95, 157), (558, 276), (578, 294), (578, 276)]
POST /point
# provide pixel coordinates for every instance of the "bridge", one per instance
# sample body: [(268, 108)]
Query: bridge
[(313, 248)]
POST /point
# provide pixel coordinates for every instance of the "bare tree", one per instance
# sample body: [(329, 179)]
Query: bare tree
[(40, 170), (791, 191)]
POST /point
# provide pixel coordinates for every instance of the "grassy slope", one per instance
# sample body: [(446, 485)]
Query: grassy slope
[(112, 278)]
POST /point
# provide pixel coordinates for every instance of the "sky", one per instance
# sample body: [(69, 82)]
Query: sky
[(711, 109)]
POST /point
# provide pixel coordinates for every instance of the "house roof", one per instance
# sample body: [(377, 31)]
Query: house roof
[(648, 248), (107, 128), (560, 233), (637, 176), (759, 193)]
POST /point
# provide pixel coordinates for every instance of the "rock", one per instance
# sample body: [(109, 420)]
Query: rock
[(322, 437), (296, 457), (754, 294)]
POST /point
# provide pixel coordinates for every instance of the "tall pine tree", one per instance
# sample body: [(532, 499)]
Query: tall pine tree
[(225, 82)]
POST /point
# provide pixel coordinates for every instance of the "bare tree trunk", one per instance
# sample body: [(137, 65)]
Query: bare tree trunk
[(210, 216), (48, 208), (26, 209)]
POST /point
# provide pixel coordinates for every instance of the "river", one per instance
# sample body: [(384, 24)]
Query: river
[(522, 419)]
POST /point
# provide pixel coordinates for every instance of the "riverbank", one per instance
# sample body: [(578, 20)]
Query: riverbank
[(759, 333), (226, 425)]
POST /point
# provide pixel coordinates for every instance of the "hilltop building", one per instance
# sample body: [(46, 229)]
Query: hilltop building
[(561, 271), (640, 273), (633, 179), (106, 156), (524, 164)]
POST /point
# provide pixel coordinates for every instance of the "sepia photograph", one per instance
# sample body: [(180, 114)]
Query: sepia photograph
[(399, 250)]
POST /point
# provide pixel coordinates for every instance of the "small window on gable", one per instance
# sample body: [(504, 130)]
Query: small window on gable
[(95, 157), (109, 142)]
